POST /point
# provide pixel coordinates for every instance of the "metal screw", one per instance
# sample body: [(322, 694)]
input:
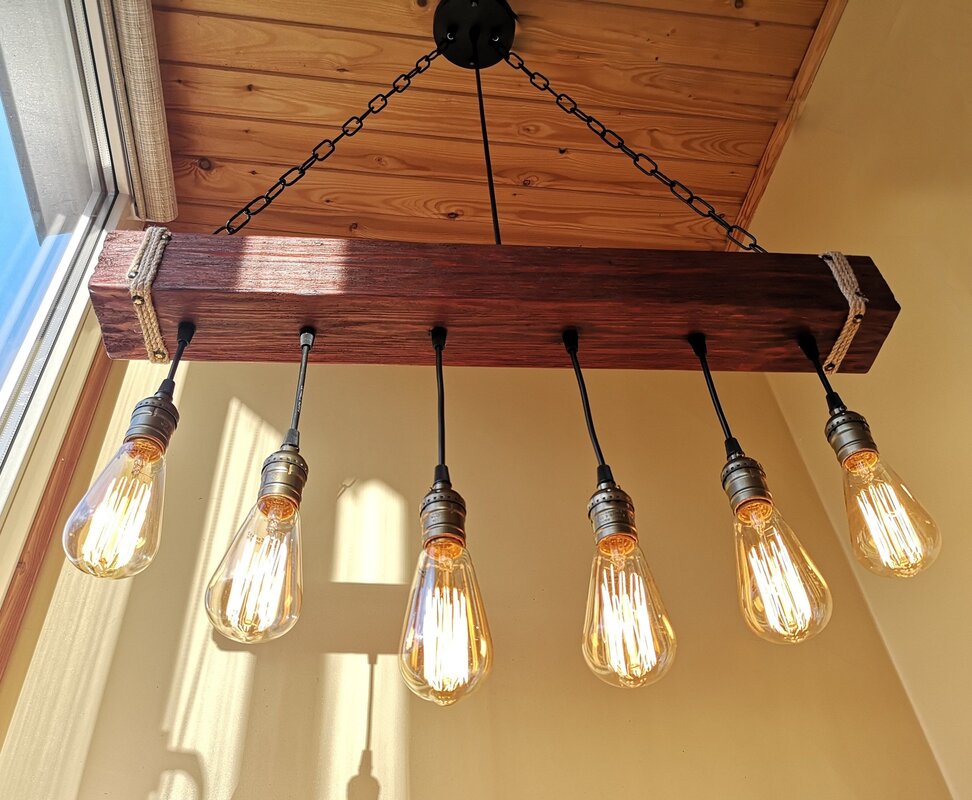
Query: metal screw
[(159, 355), (132, 274), (137, 301)]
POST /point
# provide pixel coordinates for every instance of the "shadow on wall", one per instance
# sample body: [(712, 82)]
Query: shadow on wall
[(130, 696), (240, 721)]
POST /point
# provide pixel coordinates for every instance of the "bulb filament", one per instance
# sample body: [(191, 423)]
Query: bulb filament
[(256, 593), (628, 639), (116, 525), (445, 632), (788, 608)]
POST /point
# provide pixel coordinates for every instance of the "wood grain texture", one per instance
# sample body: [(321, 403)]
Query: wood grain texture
[(616, 82), (43, 527), (414, 17), (531, 215), (403, 154), (798, 94), (324, 105), (374, 302), (700, 85), (547, 28)]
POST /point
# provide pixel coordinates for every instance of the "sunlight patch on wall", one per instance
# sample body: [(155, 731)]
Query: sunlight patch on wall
[(369, 540), (44, 752), (207, 709)]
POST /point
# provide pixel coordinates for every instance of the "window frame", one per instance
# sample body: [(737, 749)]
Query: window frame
[(54, 345)]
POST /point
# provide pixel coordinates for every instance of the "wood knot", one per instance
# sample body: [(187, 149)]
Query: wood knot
[(205, 164)]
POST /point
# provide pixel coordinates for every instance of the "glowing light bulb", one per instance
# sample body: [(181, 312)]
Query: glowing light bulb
[(784, 597), (628, 639), (255, 593), (114, 531), (891, 533), (446, 649)]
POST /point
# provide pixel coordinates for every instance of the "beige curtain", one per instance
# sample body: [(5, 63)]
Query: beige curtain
[(134, 60)]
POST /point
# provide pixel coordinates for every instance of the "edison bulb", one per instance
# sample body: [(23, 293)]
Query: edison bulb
[(891, 533), (628, 638), (446, 649), (784, 597), (115, 530), (255, 593)]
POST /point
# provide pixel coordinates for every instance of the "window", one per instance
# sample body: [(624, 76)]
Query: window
[(56, 189)]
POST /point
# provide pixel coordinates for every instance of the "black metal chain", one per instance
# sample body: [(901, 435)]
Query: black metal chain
[(645, 163), (326, 148)]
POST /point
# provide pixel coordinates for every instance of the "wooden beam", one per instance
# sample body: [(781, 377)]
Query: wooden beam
[(373, 303)]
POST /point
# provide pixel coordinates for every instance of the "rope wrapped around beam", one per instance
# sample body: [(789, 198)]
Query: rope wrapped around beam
[(856, 303), (141, 275)]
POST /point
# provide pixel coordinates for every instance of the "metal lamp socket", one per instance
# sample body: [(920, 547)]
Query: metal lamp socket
[(744, 479), (154, 418), (848, 433), (611, 512), (284, 474), (443, 514)]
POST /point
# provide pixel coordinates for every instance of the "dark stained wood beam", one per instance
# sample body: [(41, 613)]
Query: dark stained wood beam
[(373, 302)]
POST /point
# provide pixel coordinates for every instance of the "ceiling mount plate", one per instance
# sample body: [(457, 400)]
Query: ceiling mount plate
[(476, 28)]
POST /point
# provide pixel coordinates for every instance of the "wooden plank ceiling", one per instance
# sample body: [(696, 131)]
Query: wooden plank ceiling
[(709, 88)]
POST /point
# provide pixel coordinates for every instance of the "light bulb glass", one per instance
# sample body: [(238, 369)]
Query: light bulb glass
[(784, 597), (628, 638), (446, 649), (114, 532), (255, 593), (891, 533)]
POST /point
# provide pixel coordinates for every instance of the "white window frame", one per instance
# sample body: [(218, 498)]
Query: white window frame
[(52, 344)]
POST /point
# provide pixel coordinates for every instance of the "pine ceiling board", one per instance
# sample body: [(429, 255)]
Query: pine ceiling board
[(415, 16), (699, 85), (323, 105), (561, 213), (382, 153), (552, 28), (291, 49), (396, 227), (789, 12)]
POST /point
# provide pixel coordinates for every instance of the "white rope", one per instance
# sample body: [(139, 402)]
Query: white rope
[(856, 302), (141, 275)]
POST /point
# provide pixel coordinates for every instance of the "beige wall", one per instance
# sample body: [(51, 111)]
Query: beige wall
[(129, 696), (881, 164)]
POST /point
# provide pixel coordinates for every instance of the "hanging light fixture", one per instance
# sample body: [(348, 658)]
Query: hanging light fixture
[(783, 596), (255, 594), (891, 533), (628, 638), (446, 650), (115, 530)]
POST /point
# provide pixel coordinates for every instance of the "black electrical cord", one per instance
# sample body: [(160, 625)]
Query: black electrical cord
[(697, 340), (185, 334), (808, 344), (571, 341), (306, 342), (438, 342), (482, 123)]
